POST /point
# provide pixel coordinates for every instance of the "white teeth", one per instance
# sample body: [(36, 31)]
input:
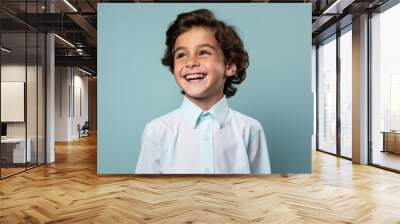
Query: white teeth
[(194, 76)]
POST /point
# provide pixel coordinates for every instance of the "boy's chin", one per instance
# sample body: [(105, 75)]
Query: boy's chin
[(196, 96), (195, 93)]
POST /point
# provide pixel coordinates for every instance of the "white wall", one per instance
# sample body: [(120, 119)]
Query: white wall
[(80, 109), (62, 81), (16, 72), (70, 84)]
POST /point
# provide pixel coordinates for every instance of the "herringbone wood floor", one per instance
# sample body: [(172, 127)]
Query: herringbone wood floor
[(69, 191)]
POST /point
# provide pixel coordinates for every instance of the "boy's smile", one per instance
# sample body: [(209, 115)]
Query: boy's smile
[(199, 66), (195, 76)]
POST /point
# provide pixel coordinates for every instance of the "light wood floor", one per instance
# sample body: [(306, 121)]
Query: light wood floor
[(10, 171), (5, 172), (387, 159), (70, 191)]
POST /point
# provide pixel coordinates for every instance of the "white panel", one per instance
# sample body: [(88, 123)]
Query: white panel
[(77, 101), (12, 101), (77, 112)]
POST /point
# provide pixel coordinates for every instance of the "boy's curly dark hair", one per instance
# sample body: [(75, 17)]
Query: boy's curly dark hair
[(229, 41)]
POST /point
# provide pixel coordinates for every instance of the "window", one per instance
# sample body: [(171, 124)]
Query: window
[(385, 88), (327, 96), (346, 92), (22, 77)]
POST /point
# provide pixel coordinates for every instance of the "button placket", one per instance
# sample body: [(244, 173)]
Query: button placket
[(210, 148), (207, 143)]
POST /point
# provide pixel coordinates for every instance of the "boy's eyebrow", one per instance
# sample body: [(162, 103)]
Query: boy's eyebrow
[(200, 45), (207, 45)]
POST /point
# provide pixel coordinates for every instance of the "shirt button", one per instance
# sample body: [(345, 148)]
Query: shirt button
[(206, 138)]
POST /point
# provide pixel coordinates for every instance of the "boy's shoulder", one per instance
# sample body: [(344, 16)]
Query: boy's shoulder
[(163, 122), (245, 120)]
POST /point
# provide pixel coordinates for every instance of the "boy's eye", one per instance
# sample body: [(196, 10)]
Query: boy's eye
[(180, 55), (204, 52)]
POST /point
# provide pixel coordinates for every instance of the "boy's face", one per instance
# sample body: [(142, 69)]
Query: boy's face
[(199, 66)]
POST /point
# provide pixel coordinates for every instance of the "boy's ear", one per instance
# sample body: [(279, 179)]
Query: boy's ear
[(230, 69)]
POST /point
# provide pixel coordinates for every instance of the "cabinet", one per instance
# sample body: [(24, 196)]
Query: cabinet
[(13, 150), (391, 141)]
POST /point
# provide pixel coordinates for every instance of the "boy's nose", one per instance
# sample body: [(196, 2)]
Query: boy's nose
[(191, 63)]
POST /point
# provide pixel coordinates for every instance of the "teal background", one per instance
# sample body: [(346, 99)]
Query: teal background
[(134, 87)]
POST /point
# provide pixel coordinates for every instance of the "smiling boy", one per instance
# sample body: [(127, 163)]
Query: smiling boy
[(207, 58)]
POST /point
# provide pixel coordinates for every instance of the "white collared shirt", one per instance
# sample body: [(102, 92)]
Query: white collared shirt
[(192, 141)]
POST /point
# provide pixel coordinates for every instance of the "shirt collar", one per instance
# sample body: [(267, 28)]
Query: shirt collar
[(192, 112)]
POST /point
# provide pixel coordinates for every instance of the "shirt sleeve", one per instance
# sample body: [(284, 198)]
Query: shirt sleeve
[(258, 154), (149, 158)]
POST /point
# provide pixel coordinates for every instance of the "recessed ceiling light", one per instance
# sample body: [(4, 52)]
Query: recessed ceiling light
[(84, 71), (64, 40), (337, 7), (5, 50), (70, 5)]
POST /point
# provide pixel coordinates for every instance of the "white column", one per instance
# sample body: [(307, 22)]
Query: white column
[(50, 92), (360, 90), (50, 100)]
